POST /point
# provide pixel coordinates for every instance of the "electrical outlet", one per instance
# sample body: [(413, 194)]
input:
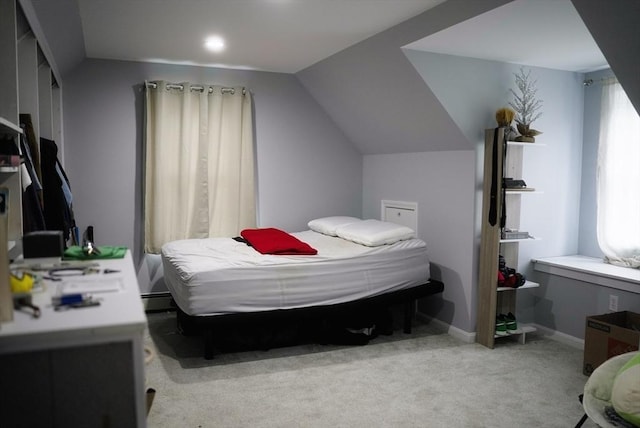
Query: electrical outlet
[(613, 302)]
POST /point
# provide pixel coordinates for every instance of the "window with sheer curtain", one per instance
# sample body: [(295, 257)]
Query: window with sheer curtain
[(199, 162), (618, 178)]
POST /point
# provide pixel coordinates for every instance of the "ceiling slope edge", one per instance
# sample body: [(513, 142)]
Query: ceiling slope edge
[(376, 96)]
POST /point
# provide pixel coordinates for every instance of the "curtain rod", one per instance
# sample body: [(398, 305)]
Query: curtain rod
[(589, 82), (224, 90)]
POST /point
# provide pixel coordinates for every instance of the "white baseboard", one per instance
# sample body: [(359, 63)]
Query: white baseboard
[(157, 302), (572, 341), (456, 332), (470, 337)]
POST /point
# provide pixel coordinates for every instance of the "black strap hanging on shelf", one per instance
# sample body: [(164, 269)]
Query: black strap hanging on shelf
[(493, 203), (503, 216)]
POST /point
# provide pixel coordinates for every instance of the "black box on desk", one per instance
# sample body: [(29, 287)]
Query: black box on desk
[(43, 244), (609, 335)]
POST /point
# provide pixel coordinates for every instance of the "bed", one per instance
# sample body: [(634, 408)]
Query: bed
[(357, 264)]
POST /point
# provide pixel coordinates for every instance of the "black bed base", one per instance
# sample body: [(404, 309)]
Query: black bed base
[(208, 325)]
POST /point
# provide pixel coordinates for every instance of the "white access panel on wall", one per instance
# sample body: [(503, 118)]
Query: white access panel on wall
[(402, 213)]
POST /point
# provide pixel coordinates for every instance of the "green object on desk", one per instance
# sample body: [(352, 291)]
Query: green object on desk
[(75, 252)]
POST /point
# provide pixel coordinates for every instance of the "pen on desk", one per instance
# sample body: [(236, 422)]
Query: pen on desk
[(72, 301), (82, 304), (67, 299)]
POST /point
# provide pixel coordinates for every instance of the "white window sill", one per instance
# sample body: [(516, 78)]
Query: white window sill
[(591, 269)]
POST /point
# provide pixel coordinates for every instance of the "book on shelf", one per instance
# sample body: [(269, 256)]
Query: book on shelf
[(520, 189), (515, 234)]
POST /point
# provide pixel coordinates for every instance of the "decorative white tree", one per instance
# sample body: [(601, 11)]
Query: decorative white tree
[(526, 105)]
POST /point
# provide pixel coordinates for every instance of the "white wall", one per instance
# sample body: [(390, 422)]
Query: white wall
[(306, 166)]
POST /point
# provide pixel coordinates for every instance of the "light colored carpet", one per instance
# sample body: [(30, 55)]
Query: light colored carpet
[(426, 379)]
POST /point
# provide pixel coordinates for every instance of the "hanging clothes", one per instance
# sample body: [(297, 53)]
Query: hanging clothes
[(32, 214), (58, 214)]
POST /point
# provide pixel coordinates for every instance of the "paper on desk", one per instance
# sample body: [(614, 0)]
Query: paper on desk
[(91, 285)]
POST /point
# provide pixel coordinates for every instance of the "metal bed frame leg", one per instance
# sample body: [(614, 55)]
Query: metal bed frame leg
[(409, 310)]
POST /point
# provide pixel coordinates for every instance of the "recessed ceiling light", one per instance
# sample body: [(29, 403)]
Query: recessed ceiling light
[(214, 43)]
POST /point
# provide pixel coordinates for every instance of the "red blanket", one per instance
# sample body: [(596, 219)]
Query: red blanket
[(276, 241)]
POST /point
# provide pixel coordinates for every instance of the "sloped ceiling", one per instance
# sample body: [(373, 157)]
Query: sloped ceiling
[(60, 22), (371, 90), (614, 27), (499, 35), (374, 94), (282, 36), (266, 35)]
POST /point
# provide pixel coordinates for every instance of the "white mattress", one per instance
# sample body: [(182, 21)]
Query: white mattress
[(219, 275)]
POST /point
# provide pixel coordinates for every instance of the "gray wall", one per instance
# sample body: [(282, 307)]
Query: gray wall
[(103, 150), (306, 166), (471, 90), (442, 183), (563, 304)]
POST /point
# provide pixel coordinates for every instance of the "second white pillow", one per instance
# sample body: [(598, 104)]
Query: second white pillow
[(328, 225), (373, 233)]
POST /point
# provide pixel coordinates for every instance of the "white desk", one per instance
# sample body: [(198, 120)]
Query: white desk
[(79, 367)]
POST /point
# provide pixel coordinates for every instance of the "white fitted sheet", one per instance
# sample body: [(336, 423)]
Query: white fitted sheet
[(219, 275)]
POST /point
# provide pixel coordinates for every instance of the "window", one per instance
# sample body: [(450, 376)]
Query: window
[(618, 178)]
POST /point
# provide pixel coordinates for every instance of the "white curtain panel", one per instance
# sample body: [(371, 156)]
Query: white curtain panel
[(199, 176), (618, 178)]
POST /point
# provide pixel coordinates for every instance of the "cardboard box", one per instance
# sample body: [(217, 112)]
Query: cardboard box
[(609, 335)]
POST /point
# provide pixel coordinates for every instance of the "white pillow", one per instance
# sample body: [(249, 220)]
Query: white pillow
[(373, 233), (328, 225)]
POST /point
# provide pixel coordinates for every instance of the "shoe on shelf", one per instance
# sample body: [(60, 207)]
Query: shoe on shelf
[(501, 325), (511, 324)]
